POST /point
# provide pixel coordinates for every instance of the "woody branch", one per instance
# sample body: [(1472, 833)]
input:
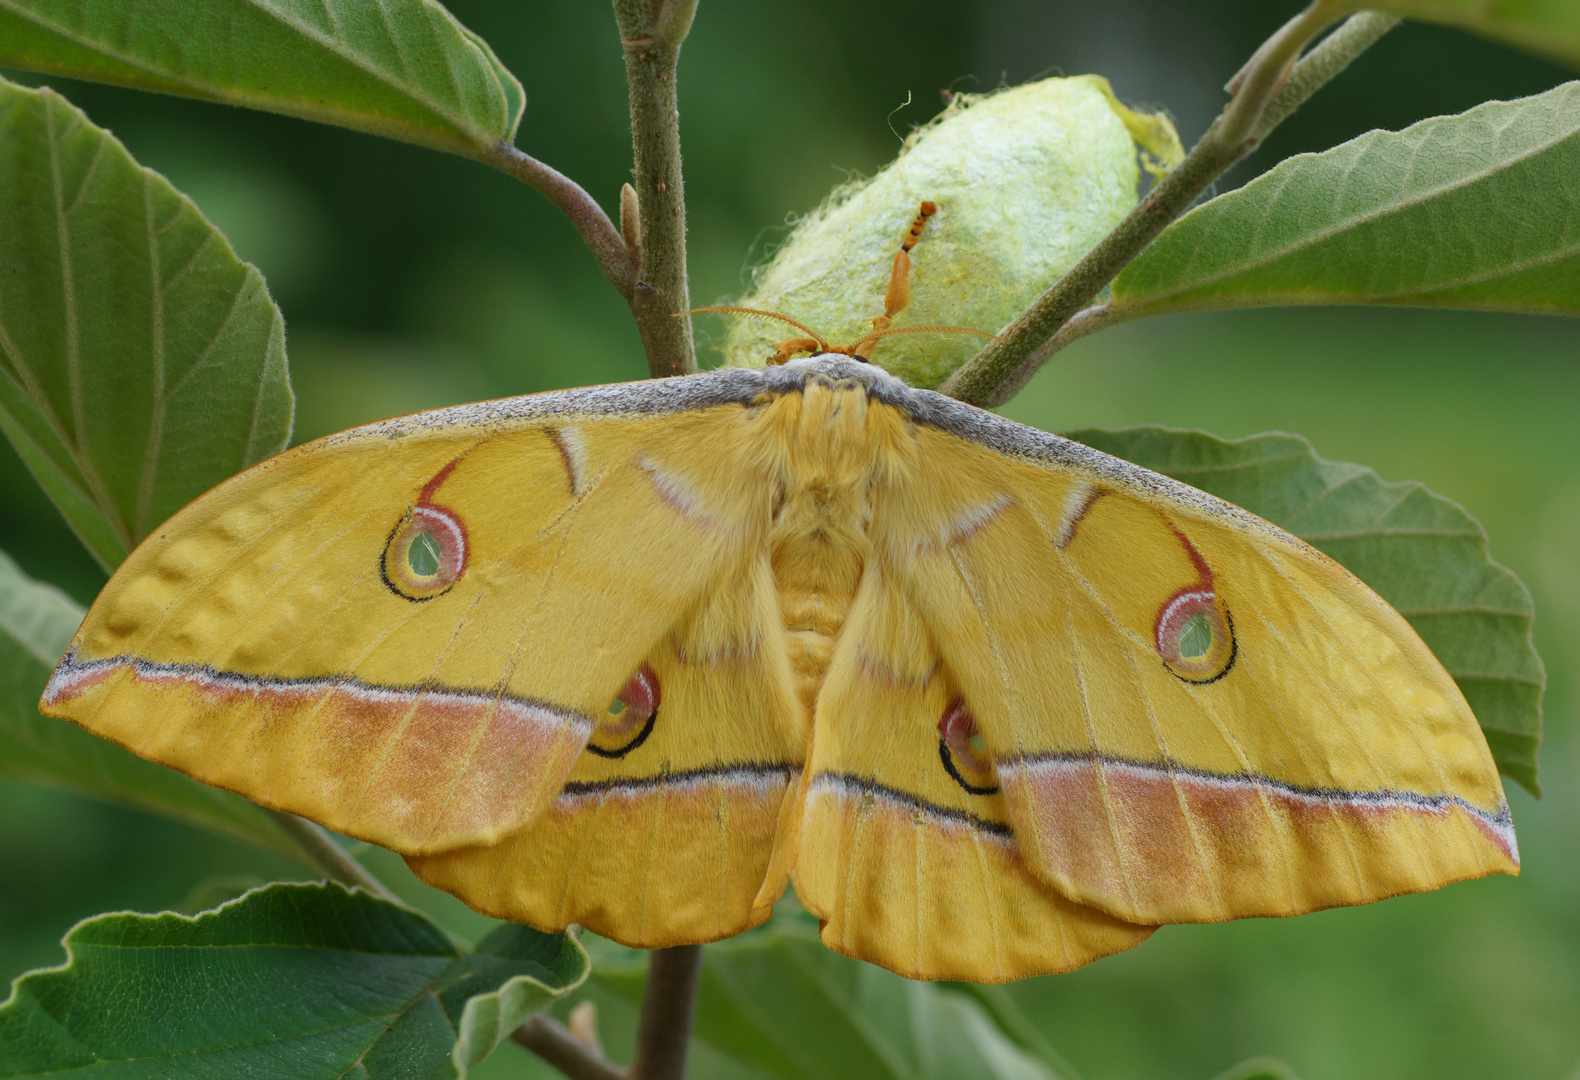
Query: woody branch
[(651, 33)]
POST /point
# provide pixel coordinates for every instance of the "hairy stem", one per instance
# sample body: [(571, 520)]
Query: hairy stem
[(651, 32), (321, 851), (551, 1041), (597, 231), (668, 1002), (1331, 56), (1270, 87), (1086, 321)]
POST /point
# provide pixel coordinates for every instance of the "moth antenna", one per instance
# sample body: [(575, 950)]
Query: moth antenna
[(897, 297), (928, 210), (864, 346), (929, 330), (755, 313)]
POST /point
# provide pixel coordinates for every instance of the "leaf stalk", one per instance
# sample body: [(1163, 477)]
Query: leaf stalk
[(663, 1033), (596, 230), (668, 1002)]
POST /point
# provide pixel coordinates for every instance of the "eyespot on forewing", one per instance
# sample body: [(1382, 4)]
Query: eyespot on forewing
[(426, 553), (1195, 636)]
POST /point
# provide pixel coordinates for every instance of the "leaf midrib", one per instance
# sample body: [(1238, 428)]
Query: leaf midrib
[(98, 491), (162, 395), (1312, 239), (1315, 296)]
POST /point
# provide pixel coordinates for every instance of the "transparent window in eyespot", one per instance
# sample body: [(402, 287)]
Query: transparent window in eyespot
[(1196, 638), (423, 555)]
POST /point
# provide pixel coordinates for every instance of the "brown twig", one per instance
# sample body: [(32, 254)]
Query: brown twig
[(668, 1001), (1270, 87), (663, 1033), (652, 235), (597, 231), (651, 33), (551, 1041), (326, 856)]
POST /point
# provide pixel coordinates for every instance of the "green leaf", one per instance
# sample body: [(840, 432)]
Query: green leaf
[(291, 981), (777, 1001), (1419, 551), (217, 889), (36, 623), (1479, 210), (405, 69), (1012, 1020), (1262, 1068), (526, 970), (1548, 27), (141, 362)]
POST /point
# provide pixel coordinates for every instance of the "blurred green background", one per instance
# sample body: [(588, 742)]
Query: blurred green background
[(411, 280)]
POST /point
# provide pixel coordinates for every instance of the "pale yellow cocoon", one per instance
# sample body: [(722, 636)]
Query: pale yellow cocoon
[(1026, 180)]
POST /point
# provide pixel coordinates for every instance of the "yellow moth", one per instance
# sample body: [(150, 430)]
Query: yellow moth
[(637, 657)]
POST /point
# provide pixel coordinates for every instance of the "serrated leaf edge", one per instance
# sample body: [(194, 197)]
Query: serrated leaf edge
[(461, 1056)]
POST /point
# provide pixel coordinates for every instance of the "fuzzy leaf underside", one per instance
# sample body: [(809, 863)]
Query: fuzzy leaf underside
[(405, 69), (1478, 211), (141, 362), (1420, 552)]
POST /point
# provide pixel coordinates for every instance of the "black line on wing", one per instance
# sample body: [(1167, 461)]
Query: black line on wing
[(641, 737), (70, 668), (862, 785), (745, 770), (1380, 797), (949, 767)]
